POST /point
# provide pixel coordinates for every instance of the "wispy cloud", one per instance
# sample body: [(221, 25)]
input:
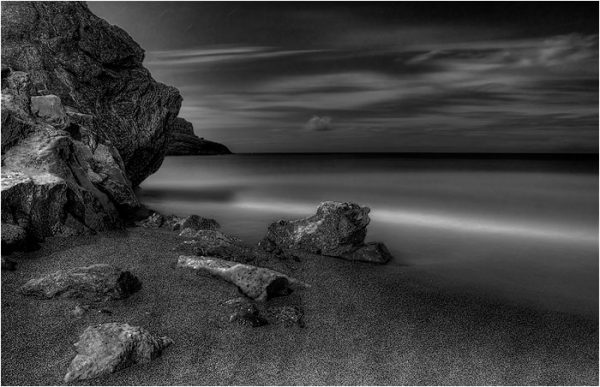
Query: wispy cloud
[(198, 56)]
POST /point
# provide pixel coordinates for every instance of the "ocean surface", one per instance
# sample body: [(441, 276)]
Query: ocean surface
[(524, 230)]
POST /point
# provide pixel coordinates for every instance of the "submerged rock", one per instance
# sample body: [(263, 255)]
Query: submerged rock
[(96, 282), (106, 348), (184, 142), (255, 282)]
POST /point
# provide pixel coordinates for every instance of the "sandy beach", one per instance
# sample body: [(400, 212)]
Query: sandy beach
[(365, 325)]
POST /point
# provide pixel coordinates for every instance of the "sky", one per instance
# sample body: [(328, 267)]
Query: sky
[(376, 77)]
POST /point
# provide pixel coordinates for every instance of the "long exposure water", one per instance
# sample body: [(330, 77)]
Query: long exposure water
[(521, 229)]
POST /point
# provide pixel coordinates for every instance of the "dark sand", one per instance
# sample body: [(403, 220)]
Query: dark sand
[(365, 324)]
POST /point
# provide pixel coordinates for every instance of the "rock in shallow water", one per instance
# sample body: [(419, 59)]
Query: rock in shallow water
[(337, 230), (255, 282), (94, 282), (106, 348)]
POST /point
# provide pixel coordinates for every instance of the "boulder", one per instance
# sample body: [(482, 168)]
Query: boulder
[(194, 223), (255, 282), (96, 282), (83, 122), (97, 69), (337, 230), (106, 348), (183, 142)]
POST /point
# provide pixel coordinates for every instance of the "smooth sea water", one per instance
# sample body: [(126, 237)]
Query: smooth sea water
[(524, 230)]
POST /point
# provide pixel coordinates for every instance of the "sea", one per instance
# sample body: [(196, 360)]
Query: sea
[(519, 228)]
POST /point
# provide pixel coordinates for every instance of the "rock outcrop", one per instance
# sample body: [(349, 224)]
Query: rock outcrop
[(96, 282), (82, 120), (106, 348), (337, 230), (255, 282), (183, 142)]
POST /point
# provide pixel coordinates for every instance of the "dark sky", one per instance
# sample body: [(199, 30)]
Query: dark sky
[(369, 77)]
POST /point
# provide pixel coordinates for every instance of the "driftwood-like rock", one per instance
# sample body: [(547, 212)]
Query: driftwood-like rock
[(255, 282), (96, 282), (106, 348), (337, 230)]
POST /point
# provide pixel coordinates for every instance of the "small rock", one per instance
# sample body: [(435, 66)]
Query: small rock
[(217, 244), (106, 348), (287, 315), (371, 252), (153, 221), (98, 281), (9, 265), (196, 222), (245, 312), (14, 238), (255, 282), (79, 311), (50, 109)]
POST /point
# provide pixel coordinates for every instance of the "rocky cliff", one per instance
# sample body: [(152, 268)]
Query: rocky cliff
[(183, 142), (82, 120)]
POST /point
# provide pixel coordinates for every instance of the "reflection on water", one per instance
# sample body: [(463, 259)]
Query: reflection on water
[(524, 229)]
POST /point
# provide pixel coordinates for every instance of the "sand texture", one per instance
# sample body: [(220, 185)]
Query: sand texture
[(365, 324)]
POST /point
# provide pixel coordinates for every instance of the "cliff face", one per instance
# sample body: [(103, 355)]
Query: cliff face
[(82, 121), (184, 142)]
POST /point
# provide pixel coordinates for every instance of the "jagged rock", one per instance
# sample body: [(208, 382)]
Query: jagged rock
[(96, 282), (286, 315), (153, 221), (9, 265), (245, 312), (97, 69), (255, 282), (337, 230), (106, 348), (82, 120), (183, 142), (194, 223)]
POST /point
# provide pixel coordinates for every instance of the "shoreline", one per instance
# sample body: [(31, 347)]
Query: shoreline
[(365, 324)]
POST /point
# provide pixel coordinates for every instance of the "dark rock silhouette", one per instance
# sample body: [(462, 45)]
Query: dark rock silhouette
[(82, 120), (184, 142), (106, 348)]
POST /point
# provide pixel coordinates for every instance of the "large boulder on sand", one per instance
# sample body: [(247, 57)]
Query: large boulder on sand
[(106, 348), (337, 229), (83, 122), (255, 282), (96, 282)]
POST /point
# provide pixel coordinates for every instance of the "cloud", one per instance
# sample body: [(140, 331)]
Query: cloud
[(217, 54), (318, 124)]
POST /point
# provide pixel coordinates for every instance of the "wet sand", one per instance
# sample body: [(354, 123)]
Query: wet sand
[(365, 325)]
